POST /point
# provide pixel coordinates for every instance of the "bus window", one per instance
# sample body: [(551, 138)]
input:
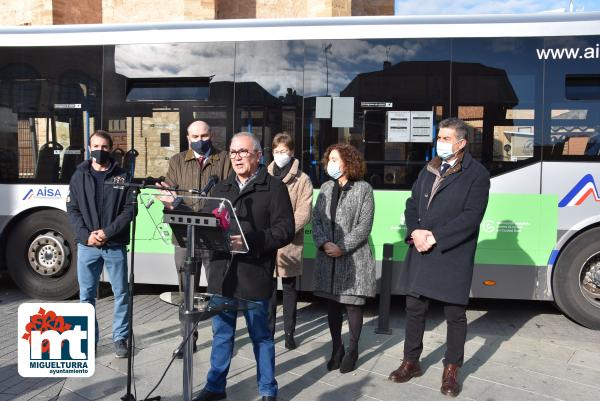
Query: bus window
[(380, 82), (49, 101), (497, 90), (268, 94), (572, 98), (154, 91)]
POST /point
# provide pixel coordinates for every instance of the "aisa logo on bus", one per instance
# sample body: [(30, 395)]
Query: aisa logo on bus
[(43, 193), (56, 340), (584, 189)]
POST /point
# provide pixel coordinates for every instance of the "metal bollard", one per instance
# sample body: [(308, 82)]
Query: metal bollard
[(385, 293)]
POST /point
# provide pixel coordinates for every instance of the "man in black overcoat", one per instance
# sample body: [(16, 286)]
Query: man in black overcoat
[(264, 210), (442, 216)]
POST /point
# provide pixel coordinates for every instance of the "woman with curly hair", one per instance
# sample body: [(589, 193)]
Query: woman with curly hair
[(345, 269)]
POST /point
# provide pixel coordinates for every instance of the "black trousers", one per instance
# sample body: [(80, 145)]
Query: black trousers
[(290, 296), (456, 334)]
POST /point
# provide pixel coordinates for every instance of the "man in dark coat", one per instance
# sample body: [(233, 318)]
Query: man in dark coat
[(264, 210), (100, 211), (442, 215)]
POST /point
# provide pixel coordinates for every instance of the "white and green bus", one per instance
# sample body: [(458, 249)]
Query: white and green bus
[(528, 85)]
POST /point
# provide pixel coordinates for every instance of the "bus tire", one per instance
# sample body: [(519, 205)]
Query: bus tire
[(41, 256), (575, 294)]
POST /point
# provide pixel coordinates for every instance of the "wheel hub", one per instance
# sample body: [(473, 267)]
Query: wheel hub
[(48, 254), (590, 280)]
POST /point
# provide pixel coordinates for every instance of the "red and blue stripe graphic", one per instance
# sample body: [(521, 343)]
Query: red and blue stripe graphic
[(585, 188)]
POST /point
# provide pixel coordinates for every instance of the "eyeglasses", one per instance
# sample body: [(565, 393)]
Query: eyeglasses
[(243, 153)]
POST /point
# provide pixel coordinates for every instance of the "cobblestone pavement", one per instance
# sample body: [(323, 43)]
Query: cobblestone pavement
[(515, 350)]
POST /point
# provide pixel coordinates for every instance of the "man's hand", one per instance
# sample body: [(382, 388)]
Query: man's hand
[(236, 242), (94, 239), (166, 197), (420, 241), (332, 250)]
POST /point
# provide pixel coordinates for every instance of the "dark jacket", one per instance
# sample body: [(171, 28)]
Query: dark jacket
[(184, 172), (453, 216), (117, 210), (266, 217)]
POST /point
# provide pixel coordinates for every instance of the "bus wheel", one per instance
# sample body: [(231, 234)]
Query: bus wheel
[(41, 256), (576, 280)]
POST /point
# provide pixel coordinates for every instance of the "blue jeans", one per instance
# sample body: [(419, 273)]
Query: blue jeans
[(223, 326), (90, 261)]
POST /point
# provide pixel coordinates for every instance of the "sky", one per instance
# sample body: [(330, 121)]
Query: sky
[(445, 7)]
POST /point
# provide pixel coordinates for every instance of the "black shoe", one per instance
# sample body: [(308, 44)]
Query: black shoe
[(289, 341), (121, 350), (336, 358), (179, 354), (269, 398), (349, 362), (206, 395)]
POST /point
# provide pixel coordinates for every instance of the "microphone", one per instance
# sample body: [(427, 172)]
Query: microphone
[(212, 181), (222, 215), (153, 181), (149, 202)]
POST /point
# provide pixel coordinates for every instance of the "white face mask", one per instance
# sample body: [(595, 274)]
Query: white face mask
[(333, 170), (281, 159), (444, 150)]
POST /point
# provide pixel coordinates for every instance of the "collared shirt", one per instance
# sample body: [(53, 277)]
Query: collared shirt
[(204, 156), (244, 184)]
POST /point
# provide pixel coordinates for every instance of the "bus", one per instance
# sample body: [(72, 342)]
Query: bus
[(527, 85)]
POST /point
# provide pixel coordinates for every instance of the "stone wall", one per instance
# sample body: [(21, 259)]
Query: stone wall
[(372, 7), (48, 12), (76, 12), (128, 11), (26, 12)]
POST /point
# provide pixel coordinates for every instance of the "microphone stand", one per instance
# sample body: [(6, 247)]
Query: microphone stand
[(136, 191), (187, 314)]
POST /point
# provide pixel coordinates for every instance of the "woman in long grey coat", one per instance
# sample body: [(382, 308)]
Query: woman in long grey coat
[(289, 258), (345, 268)]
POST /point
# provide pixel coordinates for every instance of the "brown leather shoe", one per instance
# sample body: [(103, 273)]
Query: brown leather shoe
[(405, 372), (450, 384)]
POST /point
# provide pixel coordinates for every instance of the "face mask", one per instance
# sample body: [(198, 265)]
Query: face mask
[(444, 150), (281, 159), (333, 170), (101, 156), (201, 147)]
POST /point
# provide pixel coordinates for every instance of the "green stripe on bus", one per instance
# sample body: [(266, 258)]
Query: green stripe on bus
[(517, 229)]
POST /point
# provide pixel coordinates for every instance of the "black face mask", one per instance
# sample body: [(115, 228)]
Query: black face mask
[(201, 146), (101, 156)]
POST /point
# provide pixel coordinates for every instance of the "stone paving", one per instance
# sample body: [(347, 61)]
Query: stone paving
[(515, 350)]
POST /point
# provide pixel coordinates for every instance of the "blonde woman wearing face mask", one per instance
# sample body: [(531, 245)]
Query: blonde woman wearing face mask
[(289, 258), (344, 268)]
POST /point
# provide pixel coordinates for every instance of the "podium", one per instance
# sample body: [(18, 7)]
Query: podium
[(208, 224)]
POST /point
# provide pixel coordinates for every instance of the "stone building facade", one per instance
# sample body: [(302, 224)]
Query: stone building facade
[(58, 12)]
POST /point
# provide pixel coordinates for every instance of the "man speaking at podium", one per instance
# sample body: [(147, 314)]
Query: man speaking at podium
[(265, 214)]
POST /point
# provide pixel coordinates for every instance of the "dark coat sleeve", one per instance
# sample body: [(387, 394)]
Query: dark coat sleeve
[(411, 212), (74, 213), (466, 224), (281, 224), (125, 216)]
